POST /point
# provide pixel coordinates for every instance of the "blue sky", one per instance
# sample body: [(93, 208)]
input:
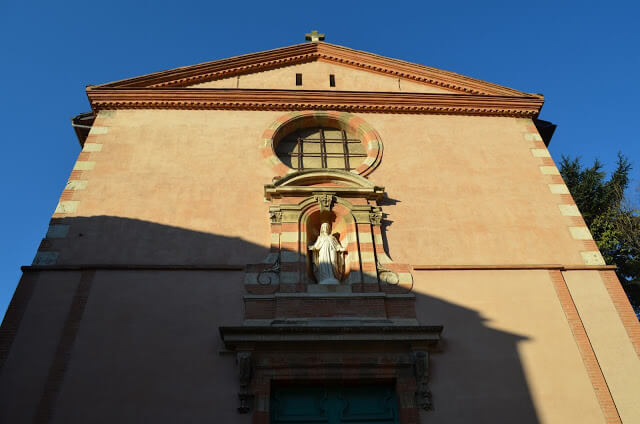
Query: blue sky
[(583, 57)]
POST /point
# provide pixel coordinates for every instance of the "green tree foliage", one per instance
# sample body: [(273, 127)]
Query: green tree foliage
[(614, 223)]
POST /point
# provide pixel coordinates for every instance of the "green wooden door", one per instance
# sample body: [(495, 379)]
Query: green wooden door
[(334, 405)]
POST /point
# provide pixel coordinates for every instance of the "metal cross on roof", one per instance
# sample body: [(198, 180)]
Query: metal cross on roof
[(314, 36)]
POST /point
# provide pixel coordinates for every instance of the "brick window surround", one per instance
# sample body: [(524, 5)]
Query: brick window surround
[(293, 121)]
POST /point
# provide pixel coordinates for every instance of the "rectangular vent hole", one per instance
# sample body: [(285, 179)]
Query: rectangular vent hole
[(298, 79), (332, 80)]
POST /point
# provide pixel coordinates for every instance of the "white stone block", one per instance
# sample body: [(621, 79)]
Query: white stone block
[(368, 256), (405, 278), (45, 258), (558, 189), (288, 237), (384, 259), (97, 130), (84, 165), (540, 153), (580, 233), (67, 206), (532, 137), (549, 170), (366, 238), (352, 256), (569, 210), (57, 231), (76, 185), (592, 258), (92, 147), (106, 113)]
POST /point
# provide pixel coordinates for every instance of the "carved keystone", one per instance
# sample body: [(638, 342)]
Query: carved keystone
[(325, 201)]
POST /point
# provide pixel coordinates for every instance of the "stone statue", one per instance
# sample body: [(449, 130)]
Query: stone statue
[(328, 257)]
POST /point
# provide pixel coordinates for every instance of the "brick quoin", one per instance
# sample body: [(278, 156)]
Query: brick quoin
[(554, 179), (576, 221), (547, 162), (76, 175), (67, 195), (567, 199), (589, 245)]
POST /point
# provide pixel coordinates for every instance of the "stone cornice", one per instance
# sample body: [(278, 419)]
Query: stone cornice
[(236, 337), (250, 99), (308, 52), (242, 267)]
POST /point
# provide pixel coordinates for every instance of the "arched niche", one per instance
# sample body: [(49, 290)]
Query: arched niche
[(299, 203), (343, 228)]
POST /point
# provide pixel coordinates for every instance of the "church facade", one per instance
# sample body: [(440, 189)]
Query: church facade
[(315, 234)]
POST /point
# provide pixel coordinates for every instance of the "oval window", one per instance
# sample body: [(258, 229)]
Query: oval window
[(321, 147)]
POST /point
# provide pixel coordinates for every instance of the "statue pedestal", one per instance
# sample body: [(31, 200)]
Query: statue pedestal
[(329, 282), (331, 288)]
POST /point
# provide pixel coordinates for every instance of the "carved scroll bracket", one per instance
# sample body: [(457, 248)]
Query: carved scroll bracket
[(270, 275), (245, 374), (386, 275), (424, 397)]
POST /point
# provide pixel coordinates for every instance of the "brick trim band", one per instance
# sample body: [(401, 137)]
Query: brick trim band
[(59, 365), (13, 316), (586, 350), (242, 267)]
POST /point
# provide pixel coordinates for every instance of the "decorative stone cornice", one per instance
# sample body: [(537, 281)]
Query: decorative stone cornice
[(237, 337), (351, 101), (308, 52), (302, 184)]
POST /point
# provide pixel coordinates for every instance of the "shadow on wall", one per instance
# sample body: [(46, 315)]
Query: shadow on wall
[(145, 346), (116, 240)]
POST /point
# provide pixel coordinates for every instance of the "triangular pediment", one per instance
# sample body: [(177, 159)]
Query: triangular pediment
[(354, 71), (320, 75)]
